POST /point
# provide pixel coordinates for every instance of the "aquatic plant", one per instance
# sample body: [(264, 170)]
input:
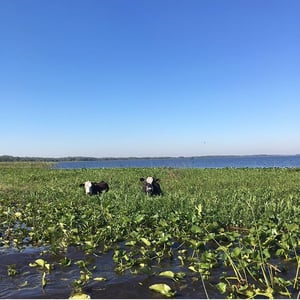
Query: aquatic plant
[(242, 224)]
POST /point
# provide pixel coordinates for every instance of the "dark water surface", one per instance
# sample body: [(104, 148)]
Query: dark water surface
[(255, 161), (27, 283)]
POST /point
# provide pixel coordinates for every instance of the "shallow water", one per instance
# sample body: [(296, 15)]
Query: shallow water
[(28, 282), (60, 281)]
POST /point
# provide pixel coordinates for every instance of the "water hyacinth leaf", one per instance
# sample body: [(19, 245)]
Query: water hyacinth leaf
[(99, 279), (195, 229), (163, 289), (192, 268), (222, 287), (180, 275), (139, 218), (39, 263), (18, 215), (181, 260), (65, 261), (44, 280), (80, 296), (266, 253), (146, 242), (130, 243), (168, 274), (236, 252)]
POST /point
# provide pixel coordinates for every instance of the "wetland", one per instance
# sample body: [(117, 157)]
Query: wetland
[(214, 233)]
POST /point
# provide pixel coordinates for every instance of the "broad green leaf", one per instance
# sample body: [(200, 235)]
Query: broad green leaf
[(195, 229), (163, 289), (139, 218), (80, 296), (146, 242), (192, 268), (236, 252), (222, 287), (38, 263), (130, 243), (266, 253), (99, 278), (168, 274)]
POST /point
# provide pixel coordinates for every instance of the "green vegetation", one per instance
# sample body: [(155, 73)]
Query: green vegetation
[(243, 222)]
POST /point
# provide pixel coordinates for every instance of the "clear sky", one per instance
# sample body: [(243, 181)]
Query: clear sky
[(117, 78)]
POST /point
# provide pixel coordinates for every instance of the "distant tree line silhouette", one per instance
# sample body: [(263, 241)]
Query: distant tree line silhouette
[(10, 158)]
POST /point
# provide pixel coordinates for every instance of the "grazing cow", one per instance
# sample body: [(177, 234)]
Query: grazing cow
[(151, 186), (93, 188)]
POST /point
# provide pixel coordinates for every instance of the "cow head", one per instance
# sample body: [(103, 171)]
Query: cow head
[(93, 188), (88, 187), (151, 186)]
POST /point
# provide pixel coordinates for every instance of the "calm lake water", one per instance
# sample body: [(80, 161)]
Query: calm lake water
[(257, 161)]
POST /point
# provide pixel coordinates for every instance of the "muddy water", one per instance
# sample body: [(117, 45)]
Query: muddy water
[(27, 283)]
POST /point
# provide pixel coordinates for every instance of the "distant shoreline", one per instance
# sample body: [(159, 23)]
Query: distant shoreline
[(10, 158)]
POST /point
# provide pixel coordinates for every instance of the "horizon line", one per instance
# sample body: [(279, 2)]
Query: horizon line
[(78, 157)]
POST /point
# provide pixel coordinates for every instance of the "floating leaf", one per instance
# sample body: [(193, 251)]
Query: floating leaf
[(80, 296), (130, 243), (23, 284), (172, 275), (44, 280), (180, 275), (99, 278), (168, 274), (40, 262), (192, 268), (163, 289), (222, 287)]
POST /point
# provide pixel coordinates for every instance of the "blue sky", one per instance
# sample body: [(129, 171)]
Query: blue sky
[(117, 78)]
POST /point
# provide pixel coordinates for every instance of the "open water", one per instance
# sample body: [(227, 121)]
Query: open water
[(253, 161)]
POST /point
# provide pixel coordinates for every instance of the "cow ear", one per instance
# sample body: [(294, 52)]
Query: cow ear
[(81, 184), (142, 179), (157, 180)]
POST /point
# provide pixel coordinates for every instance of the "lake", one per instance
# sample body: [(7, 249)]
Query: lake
[(252, 161)]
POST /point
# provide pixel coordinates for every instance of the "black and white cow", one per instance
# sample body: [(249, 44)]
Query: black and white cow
[(93, 188), (151, 186)]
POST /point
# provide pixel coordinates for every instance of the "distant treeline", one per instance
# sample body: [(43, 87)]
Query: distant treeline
[(9, 158)]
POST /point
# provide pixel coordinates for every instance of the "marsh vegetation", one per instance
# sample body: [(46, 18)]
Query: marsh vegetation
[(215, 233)]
